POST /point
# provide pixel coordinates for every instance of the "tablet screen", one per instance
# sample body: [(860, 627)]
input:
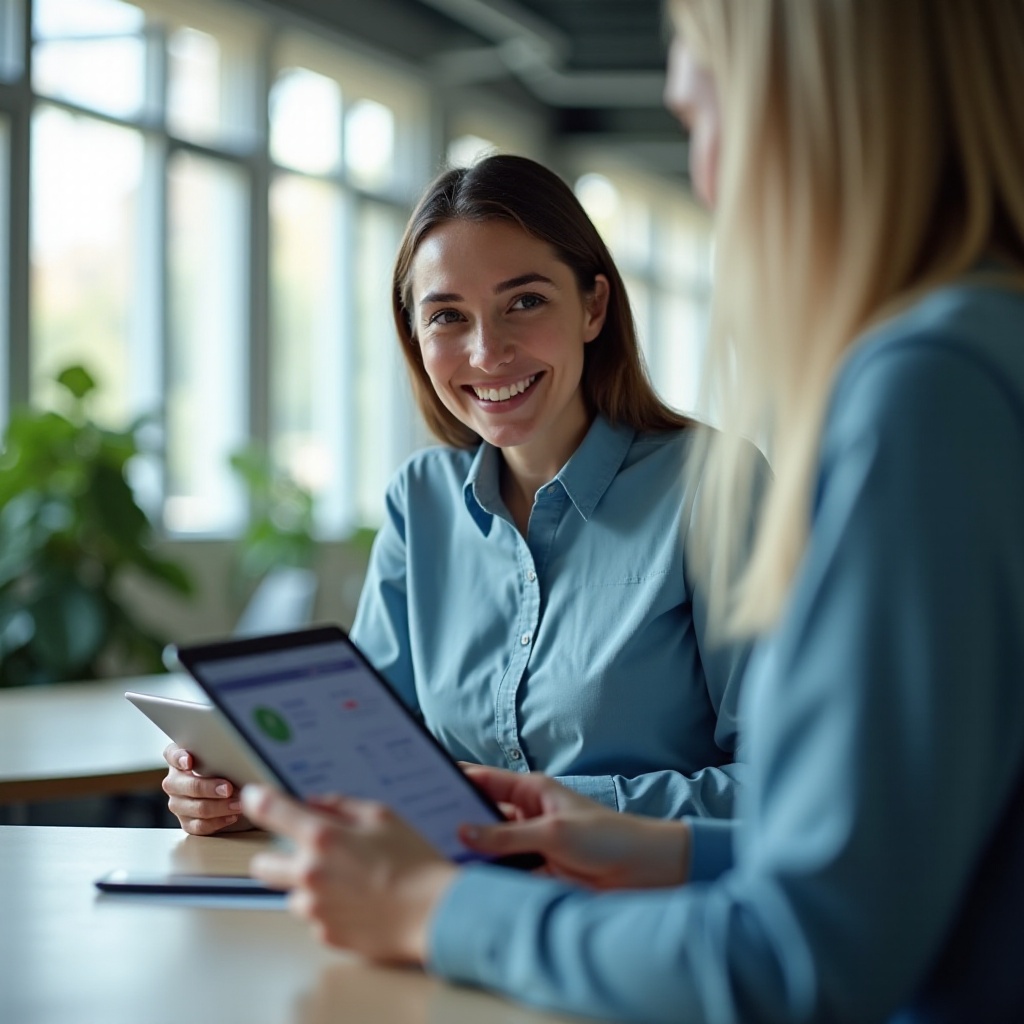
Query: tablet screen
[(326, 722)]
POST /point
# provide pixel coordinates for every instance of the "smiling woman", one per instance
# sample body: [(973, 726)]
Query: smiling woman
[(528, 594), (502, 326)]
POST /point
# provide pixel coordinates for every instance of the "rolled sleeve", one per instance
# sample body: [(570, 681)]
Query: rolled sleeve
[(597, 787)]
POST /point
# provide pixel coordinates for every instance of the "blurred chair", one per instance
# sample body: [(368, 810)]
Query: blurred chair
[(283, 600)]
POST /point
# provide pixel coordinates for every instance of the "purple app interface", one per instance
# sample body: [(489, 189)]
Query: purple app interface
[(328, 725)]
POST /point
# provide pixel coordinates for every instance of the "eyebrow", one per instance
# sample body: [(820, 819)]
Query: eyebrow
[(501, 286)]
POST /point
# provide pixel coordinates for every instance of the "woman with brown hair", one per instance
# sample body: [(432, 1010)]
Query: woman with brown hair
[(528, 594)]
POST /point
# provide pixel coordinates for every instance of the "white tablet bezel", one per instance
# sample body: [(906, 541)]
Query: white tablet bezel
[(201, 729)]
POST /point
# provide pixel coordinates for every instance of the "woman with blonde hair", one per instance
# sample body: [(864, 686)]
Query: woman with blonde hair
[(866, 161)]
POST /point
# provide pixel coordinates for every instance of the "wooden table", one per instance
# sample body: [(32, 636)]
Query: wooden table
[(68, 953), (82, 739)]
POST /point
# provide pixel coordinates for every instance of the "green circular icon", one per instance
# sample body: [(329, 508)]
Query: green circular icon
[(271, 723)]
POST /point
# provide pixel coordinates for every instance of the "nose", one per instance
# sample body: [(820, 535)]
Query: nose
[(490, 349)]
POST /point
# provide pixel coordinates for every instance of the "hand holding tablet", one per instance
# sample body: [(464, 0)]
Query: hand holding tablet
[(199, 728), (306, 712)]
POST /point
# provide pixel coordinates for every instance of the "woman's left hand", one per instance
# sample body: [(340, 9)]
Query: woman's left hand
[(358, 873)]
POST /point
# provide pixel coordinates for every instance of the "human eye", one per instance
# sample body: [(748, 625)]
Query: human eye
[(528, 301), (443, 317)]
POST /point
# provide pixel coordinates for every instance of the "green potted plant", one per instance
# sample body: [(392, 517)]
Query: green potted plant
[(70, 530), (280, 532)]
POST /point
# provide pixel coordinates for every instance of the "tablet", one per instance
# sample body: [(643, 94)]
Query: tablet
[(200, 728), (121, 881), (322, 720)]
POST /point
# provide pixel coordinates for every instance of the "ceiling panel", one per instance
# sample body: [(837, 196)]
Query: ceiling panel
[(596, 65), (607, 34)]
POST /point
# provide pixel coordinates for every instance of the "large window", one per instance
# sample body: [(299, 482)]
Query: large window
[(204, 388), (661, 241), (85, 221), (143, 134), (215, 201), (348, 156)]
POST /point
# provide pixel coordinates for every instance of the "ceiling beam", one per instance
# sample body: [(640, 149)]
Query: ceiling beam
[(535, 52)]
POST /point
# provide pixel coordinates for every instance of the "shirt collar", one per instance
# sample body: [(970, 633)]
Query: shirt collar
[(585, 477), (482, 490)]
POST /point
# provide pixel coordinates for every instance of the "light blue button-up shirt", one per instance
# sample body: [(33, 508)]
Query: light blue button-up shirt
[(877, 868), (579, 650)]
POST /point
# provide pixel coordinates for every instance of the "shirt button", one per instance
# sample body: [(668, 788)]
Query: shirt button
[(531, 576), (525, 639), (515, 754), (551, 489)]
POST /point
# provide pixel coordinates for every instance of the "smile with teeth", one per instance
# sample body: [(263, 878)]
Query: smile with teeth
[(503, 394)]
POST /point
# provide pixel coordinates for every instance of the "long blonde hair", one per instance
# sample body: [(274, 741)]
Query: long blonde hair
[(872, 150)]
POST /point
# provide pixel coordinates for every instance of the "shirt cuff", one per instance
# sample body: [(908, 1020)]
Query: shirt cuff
[(471, 928), (598, 787), (711, 847)]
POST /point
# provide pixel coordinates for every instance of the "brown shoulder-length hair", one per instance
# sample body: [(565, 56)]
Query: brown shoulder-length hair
[(519, 190)]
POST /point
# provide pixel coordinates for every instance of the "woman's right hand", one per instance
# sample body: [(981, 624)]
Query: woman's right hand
[(202, 805), (581, 840)]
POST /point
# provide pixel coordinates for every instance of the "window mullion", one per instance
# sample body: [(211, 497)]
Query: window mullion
[(18, 261), (150, 361), (258, 333), (346, 372)]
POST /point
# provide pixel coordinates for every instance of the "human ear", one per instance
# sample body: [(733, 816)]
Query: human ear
[(692, 97), (596, 303)]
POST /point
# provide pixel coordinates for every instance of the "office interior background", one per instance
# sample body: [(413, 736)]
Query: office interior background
[(200, 202)]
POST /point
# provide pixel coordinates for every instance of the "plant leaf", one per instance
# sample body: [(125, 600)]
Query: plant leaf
[(70, 626), (77, 380)]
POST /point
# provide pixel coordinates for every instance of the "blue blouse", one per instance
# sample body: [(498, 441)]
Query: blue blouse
[(580, 650), (877, 869)]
